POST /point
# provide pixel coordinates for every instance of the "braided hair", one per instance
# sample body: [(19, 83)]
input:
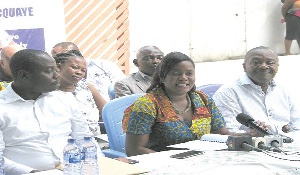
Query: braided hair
[(62, 57)]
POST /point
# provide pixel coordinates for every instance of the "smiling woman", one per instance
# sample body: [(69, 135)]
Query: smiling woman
[(172, 111)]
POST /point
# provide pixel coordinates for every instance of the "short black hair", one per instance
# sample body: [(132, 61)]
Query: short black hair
[(258, 48), (146, 49), (25, 60)]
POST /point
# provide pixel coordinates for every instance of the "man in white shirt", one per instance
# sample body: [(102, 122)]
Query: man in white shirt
[(34, 121), (257, 94)]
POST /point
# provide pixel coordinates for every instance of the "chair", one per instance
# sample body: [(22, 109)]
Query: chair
[(209, 89), (111, 90), (112, 115)]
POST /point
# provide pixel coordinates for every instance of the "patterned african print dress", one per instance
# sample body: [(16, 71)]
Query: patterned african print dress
[(3, 85), (153, 114)]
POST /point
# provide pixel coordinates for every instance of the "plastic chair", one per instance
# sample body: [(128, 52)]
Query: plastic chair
[(209, 89), (112, 115), (111, 90)]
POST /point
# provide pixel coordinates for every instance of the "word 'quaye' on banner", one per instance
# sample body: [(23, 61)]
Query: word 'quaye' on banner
[(16, 12)]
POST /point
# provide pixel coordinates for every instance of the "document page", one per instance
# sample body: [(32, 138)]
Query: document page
[(201, 145)]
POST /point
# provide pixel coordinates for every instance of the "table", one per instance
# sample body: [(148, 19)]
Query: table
[(212, 162), (225, 162), (107, 166)]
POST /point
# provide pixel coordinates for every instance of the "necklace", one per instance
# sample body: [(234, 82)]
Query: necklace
[(186, 109)]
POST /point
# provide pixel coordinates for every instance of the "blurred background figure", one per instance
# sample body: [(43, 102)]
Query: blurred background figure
[(5, 73), (290, 12)]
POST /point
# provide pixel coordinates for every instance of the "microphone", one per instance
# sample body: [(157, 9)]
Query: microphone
[(268, 148), (286, 139), (240, 143), (248, 121), (262, 143), (274, 141)]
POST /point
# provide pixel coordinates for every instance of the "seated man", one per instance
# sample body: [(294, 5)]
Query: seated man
[(100, 73), (146, 60), (36, 122), (256, 94)]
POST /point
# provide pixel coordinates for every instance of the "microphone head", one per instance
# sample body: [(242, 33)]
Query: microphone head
[(244, 119)]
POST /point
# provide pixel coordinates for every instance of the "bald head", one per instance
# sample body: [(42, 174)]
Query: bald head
[(148, 50), (63, 47), (8, 51), (6, 54)]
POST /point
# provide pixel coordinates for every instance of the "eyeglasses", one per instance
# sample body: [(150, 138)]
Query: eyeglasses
[(152, 57)]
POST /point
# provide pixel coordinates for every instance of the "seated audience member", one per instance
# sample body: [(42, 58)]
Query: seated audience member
[(72, 69), (35, 120), (100, 73), (63, 47), (146, 60), (171, 111), (256, 94), (5, 74)]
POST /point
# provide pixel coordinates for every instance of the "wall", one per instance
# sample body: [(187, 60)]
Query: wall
[(207, 30)]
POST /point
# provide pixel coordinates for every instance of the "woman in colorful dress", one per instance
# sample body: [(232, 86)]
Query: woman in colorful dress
[(172, 111)]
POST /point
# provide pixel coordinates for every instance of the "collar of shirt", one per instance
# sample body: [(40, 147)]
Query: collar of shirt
[(9, 95), (244, 79), (147, 77)]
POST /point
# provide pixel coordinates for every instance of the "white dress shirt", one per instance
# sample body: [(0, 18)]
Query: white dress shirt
[(276, 107), (34, 132)]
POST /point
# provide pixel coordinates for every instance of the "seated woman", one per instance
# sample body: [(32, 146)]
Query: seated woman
[(72, 69), (172, 111)]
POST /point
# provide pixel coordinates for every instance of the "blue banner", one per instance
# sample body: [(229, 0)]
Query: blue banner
[(29, 38)]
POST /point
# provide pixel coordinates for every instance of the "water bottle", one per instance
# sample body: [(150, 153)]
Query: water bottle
[(72, 158), (1, 163), (89, 157)]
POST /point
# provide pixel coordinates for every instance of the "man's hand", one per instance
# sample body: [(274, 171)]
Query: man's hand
[(286, 128), (254, 133)]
